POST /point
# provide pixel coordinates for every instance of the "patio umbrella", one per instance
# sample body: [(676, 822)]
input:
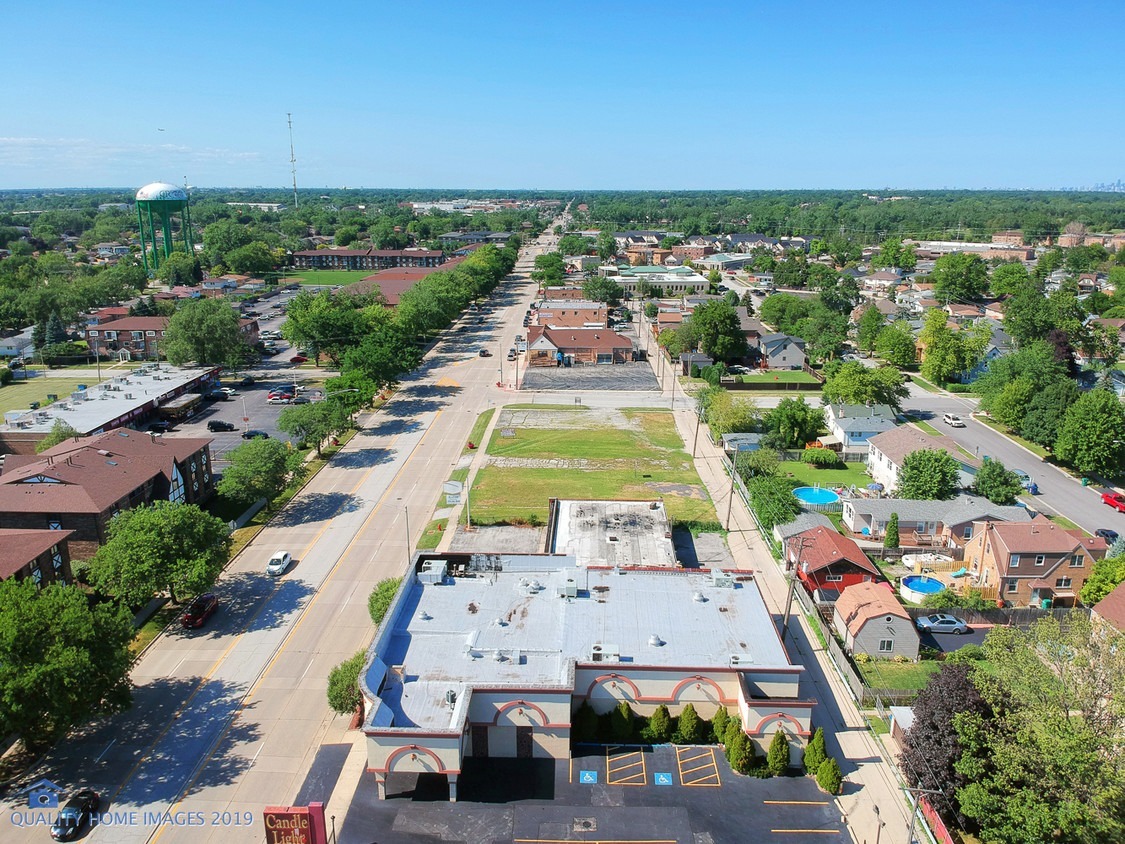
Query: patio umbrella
[(875, 487)]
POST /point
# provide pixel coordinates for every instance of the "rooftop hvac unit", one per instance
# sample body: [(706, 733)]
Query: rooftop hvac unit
[(605, 653), (569, 588), (741, 659), (722, 579)]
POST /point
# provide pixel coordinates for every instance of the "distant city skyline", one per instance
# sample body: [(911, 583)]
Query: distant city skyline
[(732, 96)]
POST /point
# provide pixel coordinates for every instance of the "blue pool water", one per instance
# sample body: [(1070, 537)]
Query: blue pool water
[(925, 585), (815, 495)]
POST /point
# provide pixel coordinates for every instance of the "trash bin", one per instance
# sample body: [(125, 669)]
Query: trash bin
[(1085, 482), (1045, 603)]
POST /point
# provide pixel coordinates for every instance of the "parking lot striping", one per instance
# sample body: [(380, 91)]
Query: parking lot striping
[(635, 778), (702, 780)]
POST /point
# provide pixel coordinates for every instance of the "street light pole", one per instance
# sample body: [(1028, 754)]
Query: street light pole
[(406, 510)]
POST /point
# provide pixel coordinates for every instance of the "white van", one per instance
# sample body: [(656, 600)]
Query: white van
[(953, 420)]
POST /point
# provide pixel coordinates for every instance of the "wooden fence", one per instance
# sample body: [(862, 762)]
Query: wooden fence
[(1009, 616)]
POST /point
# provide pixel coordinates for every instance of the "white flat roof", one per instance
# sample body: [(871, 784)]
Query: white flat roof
[(614, 533), (110, 404), (511, 626)]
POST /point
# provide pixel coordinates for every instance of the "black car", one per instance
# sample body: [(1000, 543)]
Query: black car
[(253, 434), (245, 381), (215, 395), (216, 425), (159, 427), (201, 609), (78, 811), (1110, 536)]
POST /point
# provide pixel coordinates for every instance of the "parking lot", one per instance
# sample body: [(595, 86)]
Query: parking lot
[(620, 377), (658, 795)]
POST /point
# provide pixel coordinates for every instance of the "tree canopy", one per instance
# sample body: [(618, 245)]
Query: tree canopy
[(205, 331), (259, 468), (854, 383), (929, 475)]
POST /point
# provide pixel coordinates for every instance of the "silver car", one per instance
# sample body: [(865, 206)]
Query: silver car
[(942, 623)]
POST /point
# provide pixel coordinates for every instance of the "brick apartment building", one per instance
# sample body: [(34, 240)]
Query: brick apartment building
[(366, 259)]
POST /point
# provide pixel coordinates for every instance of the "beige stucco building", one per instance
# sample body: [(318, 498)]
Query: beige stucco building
[(489, 655)]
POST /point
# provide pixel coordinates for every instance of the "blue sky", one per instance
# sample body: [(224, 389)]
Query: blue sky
[(485, 94)]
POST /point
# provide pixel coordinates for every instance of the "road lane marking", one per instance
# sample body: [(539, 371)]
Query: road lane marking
[(795, 802)]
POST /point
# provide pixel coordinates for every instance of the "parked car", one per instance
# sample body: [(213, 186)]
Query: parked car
[(159, 427), (278, 563), (201, 609), (231, 391), (216, 425), (254, 434), (1110, 536), (215, 395), (301, 400), (1116, 500), (279, 394), (1025, 479), (485, 353), (942, 623), (79, 810), (953, 420), (298, 359), (279, 400), (246, 380)]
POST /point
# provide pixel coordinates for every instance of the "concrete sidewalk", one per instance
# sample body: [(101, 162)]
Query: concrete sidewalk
[(871, 791)]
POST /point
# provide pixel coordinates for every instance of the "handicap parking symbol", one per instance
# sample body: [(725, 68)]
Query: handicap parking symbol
[(661, 778), (588, 777)]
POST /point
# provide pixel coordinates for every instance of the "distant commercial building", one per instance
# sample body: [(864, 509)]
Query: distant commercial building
[(366, 259), (489, 655)]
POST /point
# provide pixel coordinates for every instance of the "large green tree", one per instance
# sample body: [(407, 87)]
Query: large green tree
[(959, 277), (929, 475), (997, 483), (315, 422), (606, 290), (871, 322), (794, 422), (606, 245), (162, 546), (719, 331), (205, 331), (63, 659), (895, 345), (331, 325), (1045, 412), (854, 383), (1092, 435), (180, 268), (259, 468)]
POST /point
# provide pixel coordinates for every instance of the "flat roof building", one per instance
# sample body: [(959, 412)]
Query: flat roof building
[(488, 655), (612, 533)]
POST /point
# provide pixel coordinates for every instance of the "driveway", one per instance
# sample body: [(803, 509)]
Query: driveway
[(948, 643)]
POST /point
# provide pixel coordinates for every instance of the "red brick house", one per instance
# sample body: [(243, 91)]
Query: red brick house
[(80, 484), (39, 555), (827, 563)]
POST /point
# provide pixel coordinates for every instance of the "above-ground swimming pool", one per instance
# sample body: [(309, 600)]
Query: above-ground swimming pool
[(815, 495), (915, 587)]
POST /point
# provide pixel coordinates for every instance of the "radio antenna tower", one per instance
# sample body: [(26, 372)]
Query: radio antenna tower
[(292, 158)]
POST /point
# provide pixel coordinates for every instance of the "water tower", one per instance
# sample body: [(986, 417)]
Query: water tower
[(156, 205)]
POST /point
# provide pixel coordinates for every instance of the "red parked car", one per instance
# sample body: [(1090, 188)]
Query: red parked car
[(1115, 500), (201, 609), (298, 359)]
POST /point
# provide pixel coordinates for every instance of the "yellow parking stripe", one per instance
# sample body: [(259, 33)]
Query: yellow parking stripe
[(694, 776)]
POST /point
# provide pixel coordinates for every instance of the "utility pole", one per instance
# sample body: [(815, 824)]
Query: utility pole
[(698, 417), (730, 500), (292, 159), (406, 510), (916, 792), (792, 585)]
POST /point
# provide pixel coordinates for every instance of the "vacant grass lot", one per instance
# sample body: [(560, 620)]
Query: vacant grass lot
[(885, 674), (644, 462), (781, 376), (325, 277)]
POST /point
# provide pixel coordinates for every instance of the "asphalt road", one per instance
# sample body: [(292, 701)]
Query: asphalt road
[(1059, 493)]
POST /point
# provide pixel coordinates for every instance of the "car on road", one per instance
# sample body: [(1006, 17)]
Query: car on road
[(953, 420), (485, 353), (201, 609), (254, 434), (298, 359), (79, 810), (1025, 479), (246, 380), (1110, 536), (1116, 500), (941, 622), (278, 563), (217, 425)]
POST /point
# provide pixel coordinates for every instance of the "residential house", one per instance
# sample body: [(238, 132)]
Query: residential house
[(805, 520), (944, 524), (890, 448), (131, 338), (1110, 610), (871, 621), (553, 347), (690, 359), (995, 310), (81, 483), (1117, 325), (1035, 563), (962, 314), (780, 351), (827, 563), (39, 555), (889, 308), (881, 280), (851, 426), (14, 344)]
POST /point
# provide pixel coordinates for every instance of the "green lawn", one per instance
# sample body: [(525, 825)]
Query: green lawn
[(782, 376), (19, 394), (802, 474), (927, 428), (479, 427), (432, 535), (907, 676), (1064, 523), (325, 277), (644, 463), (923, 383), (1035, 448)]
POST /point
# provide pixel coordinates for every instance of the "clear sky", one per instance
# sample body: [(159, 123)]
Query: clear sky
[(547, 94)]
